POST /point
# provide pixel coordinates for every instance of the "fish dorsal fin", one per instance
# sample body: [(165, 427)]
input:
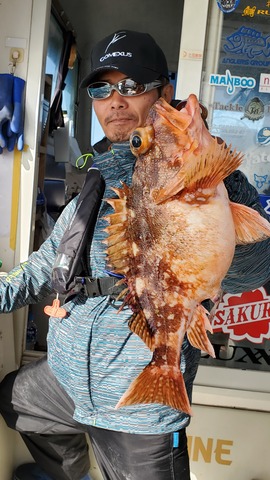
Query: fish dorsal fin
[(139, 325), (201, 170), (118, 246), (196, 331), (250, 226)]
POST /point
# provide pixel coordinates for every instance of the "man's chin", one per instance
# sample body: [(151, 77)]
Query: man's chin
[(119, 136)]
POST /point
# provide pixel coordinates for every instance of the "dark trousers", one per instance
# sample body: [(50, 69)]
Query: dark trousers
[(33, 402)]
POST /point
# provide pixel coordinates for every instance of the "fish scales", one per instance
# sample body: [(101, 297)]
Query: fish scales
[(173, 237)]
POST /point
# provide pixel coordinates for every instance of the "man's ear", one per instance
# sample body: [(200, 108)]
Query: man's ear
[(167, 92)]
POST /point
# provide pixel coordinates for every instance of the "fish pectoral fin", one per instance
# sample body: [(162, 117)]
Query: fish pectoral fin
[(196, 331), (203, 170), (250, 226), (158, 385), (139, 325)]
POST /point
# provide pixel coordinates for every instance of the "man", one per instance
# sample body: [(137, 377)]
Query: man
[(92, 355)]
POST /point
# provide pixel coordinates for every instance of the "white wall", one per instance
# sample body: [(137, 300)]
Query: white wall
[(23, 21), (191, 48)]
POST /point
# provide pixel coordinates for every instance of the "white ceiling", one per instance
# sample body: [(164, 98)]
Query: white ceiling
[(94, 19)]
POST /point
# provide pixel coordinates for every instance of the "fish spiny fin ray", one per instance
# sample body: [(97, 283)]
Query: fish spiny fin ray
[(204, 170), (196, 331), (250, 226), (118, 246), (158, 385), (139, 325)]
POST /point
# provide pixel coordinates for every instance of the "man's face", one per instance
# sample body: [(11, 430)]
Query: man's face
[(119, 115)]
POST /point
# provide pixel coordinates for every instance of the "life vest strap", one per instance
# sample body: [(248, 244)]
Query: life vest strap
[(99, 287)]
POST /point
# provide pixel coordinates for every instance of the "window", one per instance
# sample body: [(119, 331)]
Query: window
[(236, 90)]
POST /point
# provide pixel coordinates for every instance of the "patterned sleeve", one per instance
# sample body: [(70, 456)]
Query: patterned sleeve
[(30, 281), (250, 268)]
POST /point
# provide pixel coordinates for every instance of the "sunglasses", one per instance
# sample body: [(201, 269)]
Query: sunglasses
[(126, 87)]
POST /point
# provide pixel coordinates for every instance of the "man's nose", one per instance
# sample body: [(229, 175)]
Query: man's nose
[(117, 100)]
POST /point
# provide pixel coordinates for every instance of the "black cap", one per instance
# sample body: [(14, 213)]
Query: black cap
[(135, 54)]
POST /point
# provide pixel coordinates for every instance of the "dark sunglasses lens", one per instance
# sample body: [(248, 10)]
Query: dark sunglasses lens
[(99, 90)]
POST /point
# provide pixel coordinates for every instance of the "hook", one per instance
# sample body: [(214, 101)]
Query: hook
[(12, 67), (14, 59)]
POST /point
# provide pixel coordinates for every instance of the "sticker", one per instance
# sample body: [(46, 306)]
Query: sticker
[(228, 107), (265, 201), (231, 81), (254, 109), (191, 54), (264, 85), (260, 180), (244, 316), (251, 11), (228, 6), (248, 42), (263, 136)]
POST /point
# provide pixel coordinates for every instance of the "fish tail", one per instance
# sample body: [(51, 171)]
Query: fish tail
[(158, 385)]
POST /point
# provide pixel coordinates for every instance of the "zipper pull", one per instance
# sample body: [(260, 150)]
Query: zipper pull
[(55, 310)]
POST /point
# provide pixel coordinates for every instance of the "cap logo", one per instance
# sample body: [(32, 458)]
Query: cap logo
[(116, 54), (116, 37)]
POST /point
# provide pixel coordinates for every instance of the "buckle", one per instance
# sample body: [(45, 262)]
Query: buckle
[(90, 286), (96, 287)]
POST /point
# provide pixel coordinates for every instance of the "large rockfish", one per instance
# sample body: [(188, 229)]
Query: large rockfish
[(173, 237)]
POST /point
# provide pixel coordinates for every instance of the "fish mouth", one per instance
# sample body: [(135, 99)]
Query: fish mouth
[(184, 125), (184, 113), (174, 118), (191, 106)]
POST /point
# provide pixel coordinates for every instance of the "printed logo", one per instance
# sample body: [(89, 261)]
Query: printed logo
[(248, 42), (244, 316), (227, 6), (264, 86), (250, 11), (265, 201), (117, 36), (115, 54), (263, 136), (260, 180), (231, 82), (254, 109)]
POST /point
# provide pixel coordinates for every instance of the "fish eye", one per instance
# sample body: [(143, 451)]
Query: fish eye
[(136, 141), (141, 140)]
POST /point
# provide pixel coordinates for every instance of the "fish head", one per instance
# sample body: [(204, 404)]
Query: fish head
[(173, 133)]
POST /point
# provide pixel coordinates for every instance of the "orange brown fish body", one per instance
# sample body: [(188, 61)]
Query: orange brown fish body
[(173, 237)]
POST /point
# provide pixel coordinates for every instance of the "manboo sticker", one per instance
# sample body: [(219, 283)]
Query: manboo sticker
[(231, 82)]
